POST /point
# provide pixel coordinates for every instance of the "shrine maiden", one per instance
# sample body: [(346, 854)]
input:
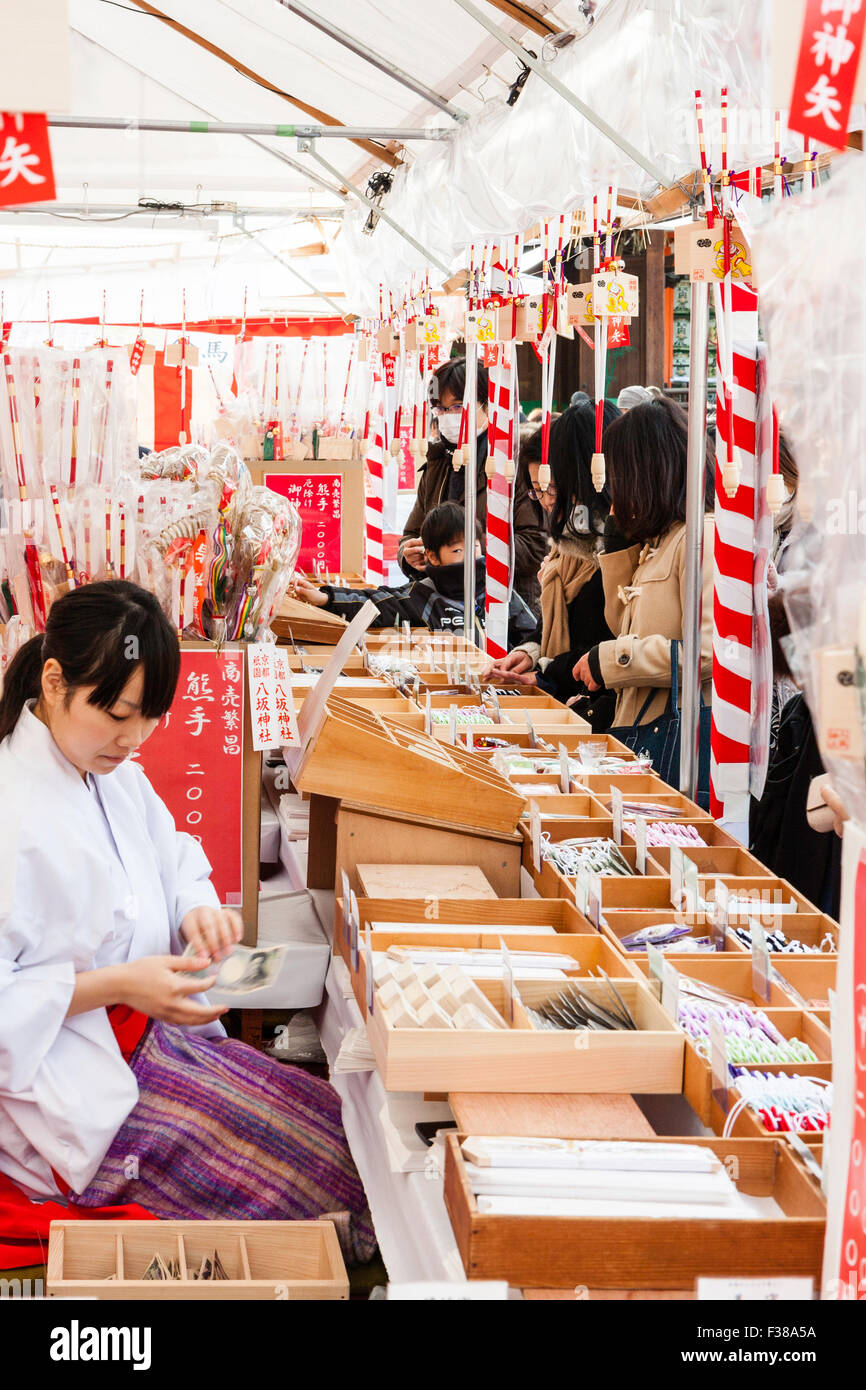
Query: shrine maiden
[(117, 1082)]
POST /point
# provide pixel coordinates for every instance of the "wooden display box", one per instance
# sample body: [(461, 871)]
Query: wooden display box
[(726, 970), (711, 833), (361, 756), (792, 1023), (719, 860), (263, 1259), (672, 806), (508, 915), (583, 954), (766, 896), (618, 923), (748, 1124), (648, 1252), (636, 784), (550, 883), (812, 978), (808, 927), (648, 1060), (367, 836)]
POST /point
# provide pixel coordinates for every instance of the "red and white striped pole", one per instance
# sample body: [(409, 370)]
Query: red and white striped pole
[(374, 549), (733, 596), (500, 487)]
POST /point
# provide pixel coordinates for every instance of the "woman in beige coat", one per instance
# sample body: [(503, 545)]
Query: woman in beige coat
[(643, 567)]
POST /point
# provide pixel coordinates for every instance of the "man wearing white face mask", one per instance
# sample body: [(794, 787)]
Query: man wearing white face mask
[(440, 482)]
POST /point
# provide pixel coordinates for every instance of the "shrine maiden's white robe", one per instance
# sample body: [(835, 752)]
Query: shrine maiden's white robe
[(91, 873)]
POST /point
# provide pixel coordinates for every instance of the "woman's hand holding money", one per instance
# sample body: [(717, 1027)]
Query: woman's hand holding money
[(158, 986), (212, 931)]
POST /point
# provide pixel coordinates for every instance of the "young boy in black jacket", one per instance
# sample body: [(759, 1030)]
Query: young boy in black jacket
[(435, 598)]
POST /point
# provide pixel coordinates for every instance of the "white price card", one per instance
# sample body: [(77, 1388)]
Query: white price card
[(509, 988), (677, 872), (368, 967), (428, 715), (670, 989), (719, 918), (535, 835), (640, 843), (354, 931), (656, 963), (594, 903), (616, 811), (564, 770), (437, 1291), (760, 961), (452, 724), (347, 905), (272, 709), (719, 1062), (690, 884), (581, 890), (782, 1290)]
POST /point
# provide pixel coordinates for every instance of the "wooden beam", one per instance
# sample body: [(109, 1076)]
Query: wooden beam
[(321, 117), (524, 15)]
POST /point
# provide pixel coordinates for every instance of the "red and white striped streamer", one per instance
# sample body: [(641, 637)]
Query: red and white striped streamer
[(500, 489), (374, 552), (733, 597)]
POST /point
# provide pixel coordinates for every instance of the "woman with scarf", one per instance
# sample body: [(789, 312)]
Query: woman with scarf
[(572, 593)]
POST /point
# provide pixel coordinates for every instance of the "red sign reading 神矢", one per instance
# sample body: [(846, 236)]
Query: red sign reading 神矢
[(26, 171), (319, 500), (827, 69), (194, 759)]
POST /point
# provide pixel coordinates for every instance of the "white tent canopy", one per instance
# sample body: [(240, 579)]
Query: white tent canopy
[(497, 169)]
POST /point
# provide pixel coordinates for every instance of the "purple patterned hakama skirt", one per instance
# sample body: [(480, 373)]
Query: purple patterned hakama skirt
[(221, 1131)]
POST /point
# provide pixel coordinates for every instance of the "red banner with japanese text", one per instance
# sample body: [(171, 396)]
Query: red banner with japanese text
[(319, 500), (852, 1262), (26, 171), (827, 65), (194, 760)]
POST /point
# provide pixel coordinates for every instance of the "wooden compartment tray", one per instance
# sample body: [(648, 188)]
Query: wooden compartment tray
[(765, 893), (724, 861), (648, 1060), (672, 806), (645, 1252), (617, 923), (263, 1259), (727, 970), (792, 1023), (502, 915), (584, 954), (548, 881), (361, 756), (811, 978), (711, 833)]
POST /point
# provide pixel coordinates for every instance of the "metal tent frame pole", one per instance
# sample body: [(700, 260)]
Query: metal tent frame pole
[(374, 59), (470, 494), (696, 467), (340, 309), (308, 132), (565, 92), (374, 207)]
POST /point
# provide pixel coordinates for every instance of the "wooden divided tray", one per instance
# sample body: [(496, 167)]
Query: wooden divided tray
[(647, 1060), (362, 756), (641, 1252), (263, 1259)]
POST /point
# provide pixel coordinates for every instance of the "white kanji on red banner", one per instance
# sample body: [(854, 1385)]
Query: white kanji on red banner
[(26, 171)]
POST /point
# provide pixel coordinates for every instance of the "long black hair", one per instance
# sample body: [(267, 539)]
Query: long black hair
[(98, 634), (572, 445), (646, 452)]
